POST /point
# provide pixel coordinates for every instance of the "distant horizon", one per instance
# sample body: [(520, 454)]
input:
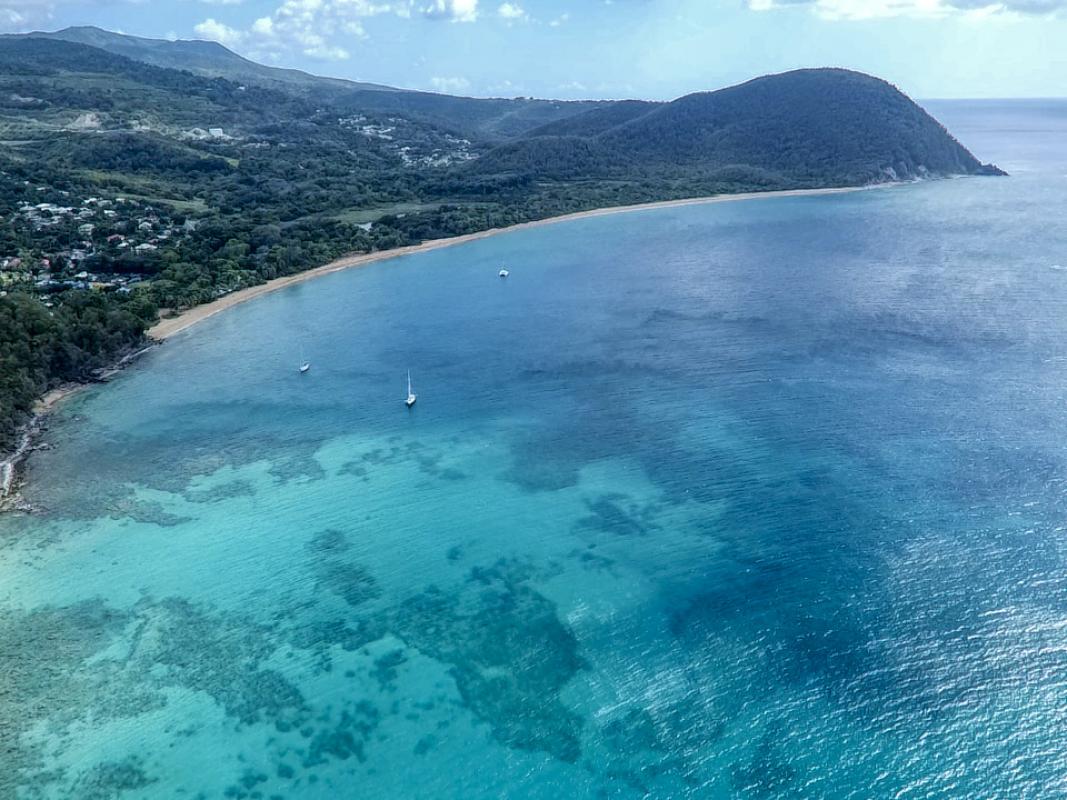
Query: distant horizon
[(648, 49), (665, 99)]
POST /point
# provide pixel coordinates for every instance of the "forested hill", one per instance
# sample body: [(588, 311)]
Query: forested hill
[(490, 119), (210, 59), (814, 127), (128, 186)]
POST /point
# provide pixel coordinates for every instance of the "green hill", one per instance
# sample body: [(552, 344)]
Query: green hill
[(493, 119), (804, 128), (598, 120)]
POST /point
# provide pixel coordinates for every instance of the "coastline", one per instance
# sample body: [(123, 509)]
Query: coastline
[(166, 328), (10, 477)]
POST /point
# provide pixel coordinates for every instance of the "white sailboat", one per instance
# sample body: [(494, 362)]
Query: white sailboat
[(504, 272), (412, 397), (305, 365)]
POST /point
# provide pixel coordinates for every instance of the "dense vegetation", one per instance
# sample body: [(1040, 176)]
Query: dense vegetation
[(127, 187), (40, 346), (806, 128)]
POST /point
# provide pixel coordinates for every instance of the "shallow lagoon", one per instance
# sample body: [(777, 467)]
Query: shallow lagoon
[(761, 499)]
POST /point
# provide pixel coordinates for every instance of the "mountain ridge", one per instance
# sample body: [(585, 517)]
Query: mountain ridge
[(199, 56), (599, 138)]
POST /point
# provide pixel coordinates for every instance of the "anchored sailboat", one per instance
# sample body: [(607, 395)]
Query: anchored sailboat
[(412, 397)]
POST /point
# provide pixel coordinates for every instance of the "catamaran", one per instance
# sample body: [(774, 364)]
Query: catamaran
[(412, 397)]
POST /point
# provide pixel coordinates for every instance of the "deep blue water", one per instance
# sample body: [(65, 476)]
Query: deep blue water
[(745, 500)]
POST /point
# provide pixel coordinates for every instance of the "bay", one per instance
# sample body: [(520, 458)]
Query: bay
[(754, 499)]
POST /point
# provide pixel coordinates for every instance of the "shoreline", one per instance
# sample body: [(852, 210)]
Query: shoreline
[(10, 473), (166, 328)]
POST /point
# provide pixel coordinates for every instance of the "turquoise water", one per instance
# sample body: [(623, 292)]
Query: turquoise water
[(747, 500)]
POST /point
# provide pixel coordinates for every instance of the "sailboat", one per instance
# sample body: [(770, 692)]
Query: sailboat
[(305, 365), (504, 272), (412, 397)]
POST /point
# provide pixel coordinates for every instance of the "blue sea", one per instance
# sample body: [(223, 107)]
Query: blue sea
[(764, 499)]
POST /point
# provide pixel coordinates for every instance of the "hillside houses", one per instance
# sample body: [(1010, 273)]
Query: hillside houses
[(72, 240)]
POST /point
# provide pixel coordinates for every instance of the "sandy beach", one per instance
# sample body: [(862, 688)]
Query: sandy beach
[(10, 463), (169, 327)]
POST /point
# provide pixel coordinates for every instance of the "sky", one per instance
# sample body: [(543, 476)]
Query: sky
[(656, 49)]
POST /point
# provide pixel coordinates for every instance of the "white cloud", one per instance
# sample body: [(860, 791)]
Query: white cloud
[(455, 10), (218, 32), (562, 18), (504, 87), (20, 15), (312, 26), (512, 12), (1018, 6), (572, 86), (10, 19), (450, 85), (326, 52), (325, 28), (264, 26), (875, 9)]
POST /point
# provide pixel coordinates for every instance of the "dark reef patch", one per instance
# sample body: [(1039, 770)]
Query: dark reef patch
[(592, 560), (354, 468), (500, 639), (221, 656), (386, 668), (42, 676), (330, 542), (611, 513), (148, 511), (351, 582), (346, 739), (508, 653), (224, 491), (635, 753), (318, 636), (110, 780), (428, 461), (297, 466), (131, 459), (425, 745), (766, 774)]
